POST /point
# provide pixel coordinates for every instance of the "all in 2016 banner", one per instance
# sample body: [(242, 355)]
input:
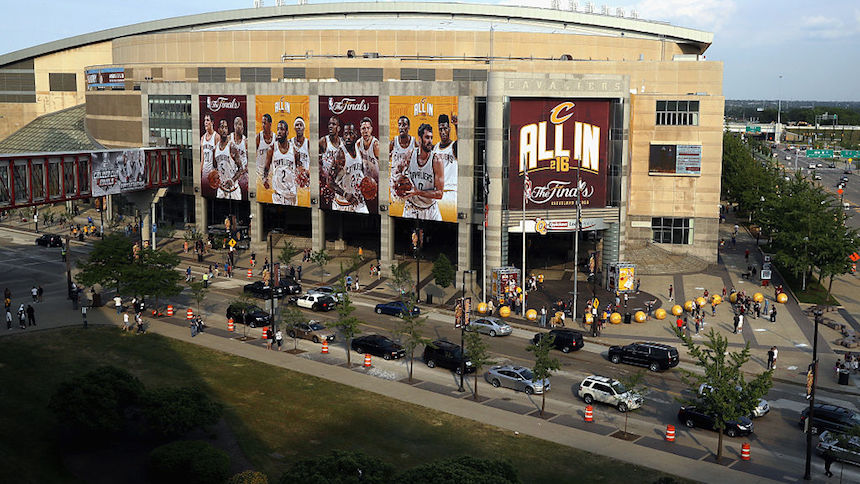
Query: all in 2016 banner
[(283, 150)]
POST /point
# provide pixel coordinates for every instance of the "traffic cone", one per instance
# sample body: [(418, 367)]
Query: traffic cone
[(367, 360), (745, 451), (670, 433), (230, 326), (250, 273), (589, 415), (169, 310), (325, 346), (265, 333), (189, 315)]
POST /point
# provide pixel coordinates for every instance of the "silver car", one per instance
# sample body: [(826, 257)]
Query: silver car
[(490, 326), (597, 388), (761, 408), (848, 450), (516, 377)]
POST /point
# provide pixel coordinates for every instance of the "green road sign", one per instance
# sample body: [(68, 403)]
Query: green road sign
[(753, 129), (819, 153), (850, 154)]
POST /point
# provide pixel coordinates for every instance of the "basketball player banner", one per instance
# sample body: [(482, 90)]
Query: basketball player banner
[(283, 150), (423, 157), (120, 171), (223, 147), (552, 139), (349, 153)]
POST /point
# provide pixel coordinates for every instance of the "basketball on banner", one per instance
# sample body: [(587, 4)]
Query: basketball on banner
[(540, 226)]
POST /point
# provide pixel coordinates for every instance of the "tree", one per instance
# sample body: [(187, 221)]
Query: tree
[(731, 396), (346, 322), (198, 292), (321, 258), (634, 383), (544, 364), (243, 302), (479, 355), (443, 271), (288, 251), (291, 317), (248, 477), (463, 469), (401, 278), (154, 274), (409, 326), (104, 264), (188, 462), (340, 466), (173, 412)]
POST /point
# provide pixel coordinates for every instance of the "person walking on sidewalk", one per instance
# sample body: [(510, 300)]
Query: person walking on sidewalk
[(40, 293), (740, 324), (828, 461), (125, 324), (747, 255), (117, 300), (671, 290), (766, 306), (84, 315), (269, 337), (299, 273), (31, 316), (773, 314), (775, 356), (543, 317), (8, 318), (34, 293), (770, 357), (22, 317), (279, 339)]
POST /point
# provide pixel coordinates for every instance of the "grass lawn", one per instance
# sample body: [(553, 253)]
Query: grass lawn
[(815, 293), (270, 409)]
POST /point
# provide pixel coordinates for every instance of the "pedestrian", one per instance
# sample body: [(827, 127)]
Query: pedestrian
[(671, 290), (698, 323), (735, 324), (125, 324), (679, 323), (279, 339), (735, 229), (638, 283), (490, 307), (41, 292), (185, 247), (31, 316), (227, 270), (253, 259), (773, 314), (117, 300), (34, 293), (775, 355), (205, 279), (734, 240), (766, 304), (348, 283), (193, 327), (269, 337), (8, 318), (626, 299), (724, 291), (22, 317), (139, 321), (828, 461), (84, 315), (747, 255), (543, 317), (188, 274), (713, 308), (740, 323), (357, 286), (299, 273), (770, 357)]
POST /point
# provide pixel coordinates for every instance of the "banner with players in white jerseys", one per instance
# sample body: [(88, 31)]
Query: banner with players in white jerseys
[(223, 147), (120, 171), (283, 150), (423, 157), (349, 153)]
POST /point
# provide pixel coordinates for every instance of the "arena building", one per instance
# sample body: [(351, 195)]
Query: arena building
[(356, 123)]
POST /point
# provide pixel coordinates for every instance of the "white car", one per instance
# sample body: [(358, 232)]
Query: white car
[(760, 409), (490, 326), (317, 302), (602, 389), (328, 291)]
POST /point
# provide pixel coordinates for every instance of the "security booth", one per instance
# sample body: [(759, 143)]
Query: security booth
[(621, 277)]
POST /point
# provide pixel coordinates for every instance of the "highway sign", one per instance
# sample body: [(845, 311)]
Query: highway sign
[(819, 153), (753, 129), (850, 154)]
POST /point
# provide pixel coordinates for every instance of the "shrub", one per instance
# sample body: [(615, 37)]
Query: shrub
[(188, 462), (461, 470), (173, 412), (248, 477), (339, 467), (443, 271), (93, 405)]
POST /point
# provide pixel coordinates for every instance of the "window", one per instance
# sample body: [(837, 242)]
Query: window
[(677, 113), (667, 230), (470, 75), (675, 159), (412, 74), (211, 74), (351, 74), (294, 72), (18, 83), (62, 81), (255, 74)]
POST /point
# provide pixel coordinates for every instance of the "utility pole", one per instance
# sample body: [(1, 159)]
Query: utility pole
[(814, 368), (527, 186), (273, 279), (576, 241), (463, 333), (486, 215)]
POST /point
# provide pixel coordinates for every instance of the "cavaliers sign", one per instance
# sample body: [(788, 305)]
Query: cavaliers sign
[(550, 140)]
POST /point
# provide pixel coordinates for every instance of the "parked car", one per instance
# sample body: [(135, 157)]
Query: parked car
[(831, 165), (516, 377), (606, 390), (290, 285), (761, 409), (50, 240), (395, 308), (378, 345), (693, 417), (830, 417), (848, 450), (312, 330), (254, 316), (656, 356), (491, 326), (447, 355), (328, 291), (566, 340), (316, 302), (261, 290)]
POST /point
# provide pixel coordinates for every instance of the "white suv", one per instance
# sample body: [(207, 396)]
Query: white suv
[(606, 390)]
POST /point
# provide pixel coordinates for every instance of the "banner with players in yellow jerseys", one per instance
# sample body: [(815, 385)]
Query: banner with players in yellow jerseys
[(423, 157), (283, 150)]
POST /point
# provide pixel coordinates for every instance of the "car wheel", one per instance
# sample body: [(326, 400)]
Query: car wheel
[(615, 359), (492, 333), (689, 423), (359, 349), (378, 310), (731, 432), (291, 334), (622, 407), (316, 340), (654, 366), (588, 399), (253, 324), (814, 430), (496, 383), (459, 370), (566, 349), (530, 391), (431, 364)]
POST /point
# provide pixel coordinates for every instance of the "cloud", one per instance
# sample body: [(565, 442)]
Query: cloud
[(707, 15)]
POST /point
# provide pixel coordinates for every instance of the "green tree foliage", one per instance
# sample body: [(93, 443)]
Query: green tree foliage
[(92, 406), (154, 274), (339, 467), (544, 363), (443, 271), (634, 383), (409, 327), (346, 323), (479, 355), (198, 292), (104, 264), (288, 251), (321, 258), (461, 470), (173, 412), (291, 316), (401, 279), (731, 397), (248, 477), (243, 302), (188, 462)]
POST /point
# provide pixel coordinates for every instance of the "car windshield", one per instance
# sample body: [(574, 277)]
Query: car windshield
[(316, 326), (527, 374), (618, 387)]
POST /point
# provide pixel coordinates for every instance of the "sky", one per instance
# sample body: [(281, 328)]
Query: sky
[(770, 50)]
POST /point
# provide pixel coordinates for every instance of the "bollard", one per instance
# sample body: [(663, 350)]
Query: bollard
[(670, 433), (589, 415)]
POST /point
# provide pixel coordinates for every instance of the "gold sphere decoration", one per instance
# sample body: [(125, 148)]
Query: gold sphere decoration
[(531, 315), (677, 310), (639, 317), (504, 311), (615, 318), (660, 314)]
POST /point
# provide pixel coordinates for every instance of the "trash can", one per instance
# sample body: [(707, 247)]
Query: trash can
[(843, 377), (627, 318)]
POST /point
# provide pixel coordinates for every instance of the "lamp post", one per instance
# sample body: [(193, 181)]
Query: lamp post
[(272, 280), (813, 367), (463, 333)]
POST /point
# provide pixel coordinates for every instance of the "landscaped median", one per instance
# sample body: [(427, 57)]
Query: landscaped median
[(277, 416)]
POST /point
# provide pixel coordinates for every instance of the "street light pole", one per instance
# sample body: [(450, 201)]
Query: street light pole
[(272, 280), (807, 475), (463, 334)]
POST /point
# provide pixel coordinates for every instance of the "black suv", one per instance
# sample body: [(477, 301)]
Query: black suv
[(447, 355), (655, 356), (290, 285), (254, 316), (693, 417), (566, 340), (830, 417)]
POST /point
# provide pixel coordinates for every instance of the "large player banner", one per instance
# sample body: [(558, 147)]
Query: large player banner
[(349, 153), (283, 150), (551, 139), (423, 157), (115, 172), (223, 147)]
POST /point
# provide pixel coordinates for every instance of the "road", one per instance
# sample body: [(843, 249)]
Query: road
[(778, 444)]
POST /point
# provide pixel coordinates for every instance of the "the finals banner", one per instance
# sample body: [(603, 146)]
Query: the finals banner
[(283, 150)]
